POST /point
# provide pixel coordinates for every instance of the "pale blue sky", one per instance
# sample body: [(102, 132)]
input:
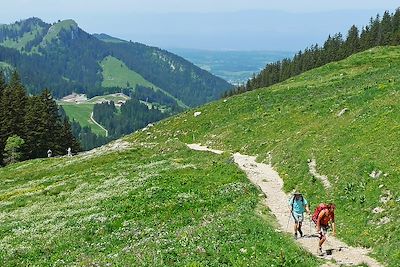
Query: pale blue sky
[(206, 24)]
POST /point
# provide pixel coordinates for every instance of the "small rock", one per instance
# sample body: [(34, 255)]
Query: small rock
[(375, 174), (342, 112), (243, 250), (384, 200), (200, 249), (377, 210), (384, 220), (381, 185), (197, 113)]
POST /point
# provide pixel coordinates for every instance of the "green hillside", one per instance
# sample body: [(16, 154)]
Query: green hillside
[(157, 203), (56, 28), (81, 114), (21, 43), (64, 58), (117, 74)]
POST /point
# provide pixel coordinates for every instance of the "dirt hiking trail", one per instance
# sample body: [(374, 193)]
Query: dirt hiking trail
[(269, 181)]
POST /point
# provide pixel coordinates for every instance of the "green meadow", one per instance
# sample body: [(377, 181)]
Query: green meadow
[(117, 74), (81, 113), (157, 203)]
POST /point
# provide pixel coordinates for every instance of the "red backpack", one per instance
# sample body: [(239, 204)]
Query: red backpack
[(318, 209)]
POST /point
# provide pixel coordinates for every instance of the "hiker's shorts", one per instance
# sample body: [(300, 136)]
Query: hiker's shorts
[(298, 218), (324, 231)]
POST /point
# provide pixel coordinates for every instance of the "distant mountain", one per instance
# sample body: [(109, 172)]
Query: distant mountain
[(66, 59), (107, 38)]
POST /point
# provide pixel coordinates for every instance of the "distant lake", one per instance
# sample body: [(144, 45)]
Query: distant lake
[(234, 66)]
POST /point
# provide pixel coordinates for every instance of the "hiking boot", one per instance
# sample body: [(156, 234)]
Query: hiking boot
[(295, 235), (301, 233), (319, 251)]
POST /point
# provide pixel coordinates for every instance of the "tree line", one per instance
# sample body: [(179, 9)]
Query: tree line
[(379, 31), (30, 125), (133, 115)]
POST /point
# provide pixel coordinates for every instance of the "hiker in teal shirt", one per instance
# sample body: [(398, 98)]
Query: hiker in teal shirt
[(298, 204)]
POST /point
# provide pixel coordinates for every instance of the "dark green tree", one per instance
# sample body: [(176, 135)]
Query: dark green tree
[(3, 86), (54, 125), (12, 151), (13, 104), (68, 139), (36, 144), (352, 43), (386, 29), (395, 38)]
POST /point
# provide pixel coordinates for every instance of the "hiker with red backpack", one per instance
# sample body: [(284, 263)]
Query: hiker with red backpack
[(323, 217), (298, 204)]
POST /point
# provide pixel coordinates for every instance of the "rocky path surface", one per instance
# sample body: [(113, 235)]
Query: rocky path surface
[(269, 181)]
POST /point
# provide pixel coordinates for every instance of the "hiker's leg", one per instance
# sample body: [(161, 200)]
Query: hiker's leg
[(322, 240), (299, 229)]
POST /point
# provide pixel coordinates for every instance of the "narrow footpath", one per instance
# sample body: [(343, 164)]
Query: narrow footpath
[(269, 181), (98, 124)]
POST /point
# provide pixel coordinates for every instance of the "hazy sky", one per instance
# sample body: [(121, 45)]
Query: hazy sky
[(207, 24)]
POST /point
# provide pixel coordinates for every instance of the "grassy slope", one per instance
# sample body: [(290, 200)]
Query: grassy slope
[(297, 120), (117, 74), (81, 113), (21, 42), (157, 204), (161, 204), (56, 28)]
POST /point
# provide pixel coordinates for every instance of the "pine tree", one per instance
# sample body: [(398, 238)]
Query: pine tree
[(386, 29), (36, 144), (53, 123), (3, 86), (13, 108), (395, 36), (352, 43), (68, 139)]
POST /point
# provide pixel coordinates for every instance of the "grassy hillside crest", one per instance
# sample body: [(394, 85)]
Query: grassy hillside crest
[(117, 74), (55, 29), (157, 203)]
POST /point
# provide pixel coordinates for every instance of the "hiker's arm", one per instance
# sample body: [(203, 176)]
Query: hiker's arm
[(320, 215), (308, 210), (290, 204)]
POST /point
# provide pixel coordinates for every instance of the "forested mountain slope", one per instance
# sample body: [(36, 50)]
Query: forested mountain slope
[(149, 200), (66, 59)]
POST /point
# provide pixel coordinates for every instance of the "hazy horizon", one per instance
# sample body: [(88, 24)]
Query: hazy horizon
[(234, 25)]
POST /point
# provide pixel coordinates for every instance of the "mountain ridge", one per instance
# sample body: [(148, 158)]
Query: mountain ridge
[(74, 55)]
